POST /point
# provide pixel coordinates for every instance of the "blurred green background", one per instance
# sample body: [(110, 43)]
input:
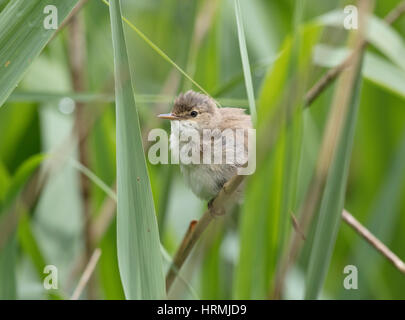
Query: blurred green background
[(238, 255)]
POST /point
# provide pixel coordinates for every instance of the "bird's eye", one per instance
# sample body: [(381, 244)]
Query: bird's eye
[(193, 114)]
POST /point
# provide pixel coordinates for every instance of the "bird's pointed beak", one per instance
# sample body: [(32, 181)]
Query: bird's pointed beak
[(169, 116)]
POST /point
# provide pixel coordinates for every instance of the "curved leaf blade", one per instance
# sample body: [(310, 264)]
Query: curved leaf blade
[(138, 245), (23, 36)]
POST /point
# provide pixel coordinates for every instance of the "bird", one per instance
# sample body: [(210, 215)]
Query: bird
[(196, 112)]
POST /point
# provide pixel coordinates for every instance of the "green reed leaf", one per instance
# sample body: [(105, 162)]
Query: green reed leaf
[(139, 257)]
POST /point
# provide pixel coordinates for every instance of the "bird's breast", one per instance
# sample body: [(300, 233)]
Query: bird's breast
[(205, 179)]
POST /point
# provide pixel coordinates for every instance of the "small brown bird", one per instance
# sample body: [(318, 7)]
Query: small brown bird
[(196, 112)]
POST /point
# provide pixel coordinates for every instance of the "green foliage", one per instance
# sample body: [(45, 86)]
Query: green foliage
[(263, 232), (23, 37), (333, 195), (8, 257), (234, 50), (20, 178), (382, 218), (138, 244)]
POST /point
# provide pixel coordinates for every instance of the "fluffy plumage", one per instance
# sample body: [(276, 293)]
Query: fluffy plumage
[(206, 180)]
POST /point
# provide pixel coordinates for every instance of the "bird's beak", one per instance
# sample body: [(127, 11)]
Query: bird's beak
[(169, 116)]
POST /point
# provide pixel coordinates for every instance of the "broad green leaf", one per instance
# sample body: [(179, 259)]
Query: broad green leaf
[(139, 257), (333, 196), (23, 36)]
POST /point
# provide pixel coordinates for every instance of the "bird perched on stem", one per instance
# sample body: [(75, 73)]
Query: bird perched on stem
[(218, 131)]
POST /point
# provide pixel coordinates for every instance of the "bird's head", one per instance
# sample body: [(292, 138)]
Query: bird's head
[(195, 109)]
